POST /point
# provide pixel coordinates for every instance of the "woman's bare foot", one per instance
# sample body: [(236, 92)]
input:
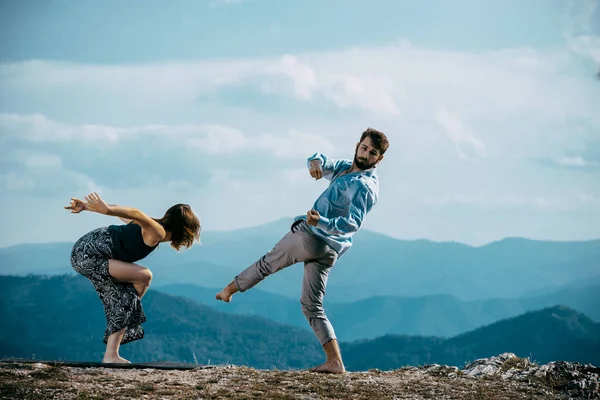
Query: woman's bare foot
[(330, 367), (115, 360)]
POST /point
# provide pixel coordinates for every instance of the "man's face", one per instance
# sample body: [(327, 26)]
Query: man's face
[(366, 155)]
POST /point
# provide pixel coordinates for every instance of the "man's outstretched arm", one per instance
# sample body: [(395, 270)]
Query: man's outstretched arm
[(329, 166), (361, 203)]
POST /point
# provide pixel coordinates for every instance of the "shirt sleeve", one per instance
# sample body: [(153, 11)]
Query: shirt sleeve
[(361, 203), (330, 166)]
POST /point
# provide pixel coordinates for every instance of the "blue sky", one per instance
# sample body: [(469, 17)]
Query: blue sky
[(492, 110)]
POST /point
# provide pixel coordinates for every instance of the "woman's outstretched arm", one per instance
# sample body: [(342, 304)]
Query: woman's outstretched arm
[(95, 204)]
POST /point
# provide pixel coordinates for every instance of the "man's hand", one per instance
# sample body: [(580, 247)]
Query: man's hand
[(316, 171), (95, 203), (312, 217), (76, 206)]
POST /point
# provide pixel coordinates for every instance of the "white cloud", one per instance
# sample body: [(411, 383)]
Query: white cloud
[(302, 75), (365, 92), (208, 138), (40, 160), (587, 46), (215, 139), (493, 201), (180, 157), (582, 29), (44, 174), (507, 109), (467, 145), (499, 105), (572, 161), (588, 199), (38, 128), (16, 182), (402, 81), (294, 144), (578, 162), (361, 90)]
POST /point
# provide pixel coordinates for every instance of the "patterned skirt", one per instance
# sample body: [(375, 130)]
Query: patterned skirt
[(122, 306)]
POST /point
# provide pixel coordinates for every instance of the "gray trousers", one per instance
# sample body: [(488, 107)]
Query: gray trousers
[(299, 245)]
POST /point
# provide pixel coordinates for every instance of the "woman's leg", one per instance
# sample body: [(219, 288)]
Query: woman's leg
[(112, 348), (90, 257), (124, 316), (124, 272)]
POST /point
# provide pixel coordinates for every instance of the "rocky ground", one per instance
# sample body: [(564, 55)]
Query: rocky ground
[(501, 377)]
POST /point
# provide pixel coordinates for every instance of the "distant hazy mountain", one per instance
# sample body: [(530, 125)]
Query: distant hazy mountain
[(440, 315), (62, 318), (550, 334), (377, 265), (46, 258)]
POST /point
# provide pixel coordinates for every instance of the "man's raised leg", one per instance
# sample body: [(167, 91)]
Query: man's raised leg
[(313, 292), (296, 246)]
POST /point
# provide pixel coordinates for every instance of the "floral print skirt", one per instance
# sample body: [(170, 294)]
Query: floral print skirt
[(122, 306)]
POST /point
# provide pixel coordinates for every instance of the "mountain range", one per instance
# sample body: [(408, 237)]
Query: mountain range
[(61, 317), (377, 265), (545, 335), (435, 315)]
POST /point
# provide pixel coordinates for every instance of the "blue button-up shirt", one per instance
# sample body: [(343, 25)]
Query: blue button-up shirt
[(344, 205)]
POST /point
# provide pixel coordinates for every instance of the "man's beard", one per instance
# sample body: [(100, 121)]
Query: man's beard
[(362, 163)]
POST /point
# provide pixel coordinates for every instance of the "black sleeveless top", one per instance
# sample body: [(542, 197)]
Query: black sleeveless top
[(127, 242)]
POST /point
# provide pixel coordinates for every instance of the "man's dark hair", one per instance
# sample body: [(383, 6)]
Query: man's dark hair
[(378, 138)]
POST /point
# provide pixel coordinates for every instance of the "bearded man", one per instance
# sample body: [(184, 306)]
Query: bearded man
[(323, 235)]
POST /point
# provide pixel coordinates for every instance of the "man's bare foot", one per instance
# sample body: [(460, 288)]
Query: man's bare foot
[(224, 295), (115, 360), (330, 367)]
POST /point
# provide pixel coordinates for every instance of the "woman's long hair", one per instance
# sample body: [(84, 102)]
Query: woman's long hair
[(183, 225)]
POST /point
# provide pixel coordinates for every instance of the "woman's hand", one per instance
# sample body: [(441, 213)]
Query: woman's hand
[(76, 206), (96, 204)]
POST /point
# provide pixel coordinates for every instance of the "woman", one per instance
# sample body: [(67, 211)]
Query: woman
[(107, 256)]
